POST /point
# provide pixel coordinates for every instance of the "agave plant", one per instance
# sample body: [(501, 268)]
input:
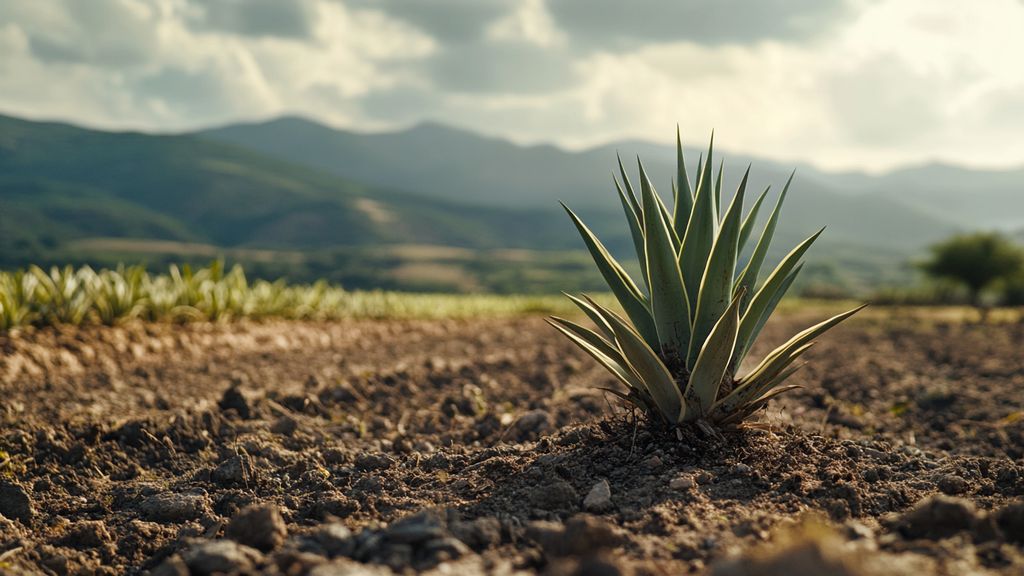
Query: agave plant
[(698, 311)]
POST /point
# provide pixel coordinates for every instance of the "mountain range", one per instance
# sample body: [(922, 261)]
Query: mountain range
[(292, 184)]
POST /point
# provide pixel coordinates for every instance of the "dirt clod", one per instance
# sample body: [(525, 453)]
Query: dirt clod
[(558, 495), (938, 517), (258, 526), (1011, 521), (15, 502), (952, 485), (174, 507), (220, 557)]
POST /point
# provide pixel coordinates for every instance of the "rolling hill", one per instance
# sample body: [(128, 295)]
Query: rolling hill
[(445, 163), (297, 197)]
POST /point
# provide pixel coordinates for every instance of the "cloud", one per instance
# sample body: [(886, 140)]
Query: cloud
[(286, 19), (623, 25), (841, 83), (451, 21)]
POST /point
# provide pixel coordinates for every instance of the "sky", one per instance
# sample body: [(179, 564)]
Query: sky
[(841, 84)]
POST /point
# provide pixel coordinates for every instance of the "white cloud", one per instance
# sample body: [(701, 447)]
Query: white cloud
[(895, 81), (529, 22)]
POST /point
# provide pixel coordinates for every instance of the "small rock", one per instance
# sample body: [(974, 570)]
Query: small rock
[(652, 462), (259, 526), (952, 484), (1011, 522), (599, 499), (938, 517), (220, 557), (15, 502), (533, 424), (684, 482), (174, 507), (559, 495)]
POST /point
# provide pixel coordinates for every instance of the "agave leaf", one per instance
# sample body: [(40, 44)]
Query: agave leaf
[(645, 363), (604, 345), (748, 409), (626, 292), (635, 229), (683, 192), (716, 288), (760, 322), (771, 291), (630, 194), (669, 303), (630, 398), (749, 221), (712, 363), (623, 372), (700, 232), (769, 373), (594, 316), (748, 278), (718, 188), (795, 346), (645, 183)]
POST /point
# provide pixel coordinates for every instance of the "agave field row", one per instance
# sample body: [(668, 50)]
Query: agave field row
[(37, 297)]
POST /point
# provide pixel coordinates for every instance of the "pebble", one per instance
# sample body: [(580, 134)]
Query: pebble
[(952, 484), (259, 526), (174, 507), (599, 499), (684, 482), (15, 502), (220, 557)]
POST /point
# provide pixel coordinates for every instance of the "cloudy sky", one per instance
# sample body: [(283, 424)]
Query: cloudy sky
[(843, 84)]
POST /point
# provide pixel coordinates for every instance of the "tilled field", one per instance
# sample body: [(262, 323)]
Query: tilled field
[(482, 447)]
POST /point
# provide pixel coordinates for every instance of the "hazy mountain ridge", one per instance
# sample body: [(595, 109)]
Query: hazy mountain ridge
[(441, 162), (293, 184)]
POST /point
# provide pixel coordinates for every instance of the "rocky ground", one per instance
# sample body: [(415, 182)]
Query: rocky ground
[(482, 447)]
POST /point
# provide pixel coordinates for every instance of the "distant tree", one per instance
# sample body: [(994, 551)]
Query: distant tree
[(975, 260)]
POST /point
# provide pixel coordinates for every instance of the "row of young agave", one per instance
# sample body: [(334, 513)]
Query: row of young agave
[(37, 297), (77, 296), (698, 308)]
